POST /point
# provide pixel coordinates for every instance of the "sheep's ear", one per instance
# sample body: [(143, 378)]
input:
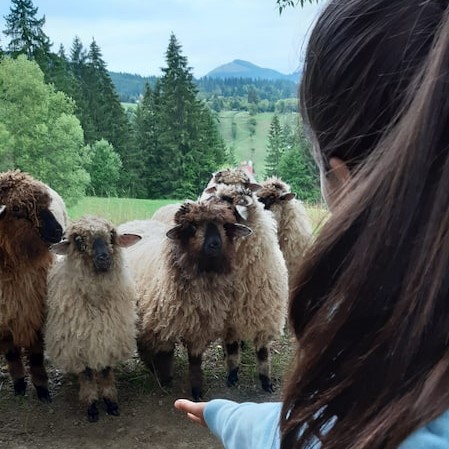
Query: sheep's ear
[(174, 233), (288, 196), (125, 240), (2, 209), (254, 187), (237, 230), (60, 248), (242, 211)]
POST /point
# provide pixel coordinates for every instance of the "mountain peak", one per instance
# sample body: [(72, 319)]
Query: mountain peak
[(239, 68)]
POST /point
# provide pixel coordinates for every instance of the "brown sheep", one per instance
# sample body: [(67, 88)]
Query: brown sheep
[(184, 278), (27, 228)]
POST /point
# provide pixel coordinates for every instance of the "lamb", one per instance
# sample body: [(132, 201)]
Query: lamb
[(27, 228), (294, 227), (184, 277), (91, 323), (258, 305)]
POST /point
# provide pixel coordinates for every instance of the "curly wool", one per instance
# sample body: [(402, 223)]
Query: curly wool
[(294, 227), (260, 294), (91, 316), (24, 259), (175, 302)]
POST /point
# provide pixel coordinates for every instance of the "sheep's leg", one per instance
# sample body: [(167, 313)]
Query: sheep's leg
[(108, 390), (159, 361), (13, 356), (232, 354), (37, 370), (196, 375), (89, 393), (264, 363)]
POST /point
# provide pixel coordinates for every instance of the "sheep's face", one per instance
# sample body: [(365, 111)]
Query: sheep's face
[(27, 225), (95, 242), (203, 238), (273, 191), (241, 199)]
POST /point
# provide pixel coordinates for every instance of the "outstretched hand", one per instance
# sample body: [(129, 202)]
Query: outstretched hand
[(194, 410)]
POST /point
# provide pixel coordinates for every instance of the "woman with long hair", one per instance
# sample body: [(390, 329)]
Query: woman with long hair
[(371, 308)]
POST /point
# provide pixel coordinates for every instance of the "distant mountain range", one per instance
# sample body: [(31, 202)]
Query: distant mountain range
[(130, 87), (245, 69)]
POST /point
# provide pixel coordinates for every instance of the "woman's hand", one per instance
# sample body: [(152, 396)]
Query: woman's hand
[(194, 410)]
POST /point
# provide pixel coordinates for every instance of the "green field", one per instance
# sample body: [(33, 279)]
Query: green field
[(247, 146), (119, 210)]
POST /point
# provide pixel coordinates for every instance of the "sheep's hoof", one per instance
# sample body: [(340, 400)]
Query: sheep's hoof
[(197, 394), (111, 407), (92, 412), (20, 387), (233, 377), (43, 394), (266, 383)]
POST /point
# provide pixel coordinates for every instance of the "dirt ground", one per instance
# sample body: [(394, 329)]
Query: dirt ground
[(148, 418)]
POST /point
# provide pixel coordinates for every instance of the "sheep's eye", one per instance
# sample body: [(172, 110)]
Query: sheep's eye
[(79, 242), (18, 212), (228, 199)]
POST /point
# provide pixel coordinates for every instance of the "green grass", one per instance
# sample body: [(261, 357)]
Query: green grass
[(247, 146), (118, 210)]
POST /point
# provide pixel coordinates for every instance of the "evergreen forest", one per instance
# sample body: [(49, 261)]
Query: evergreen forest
[(62, 120)]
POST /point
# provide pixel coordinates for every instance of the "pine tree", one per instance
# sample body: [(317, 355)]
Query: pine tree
[(144, 152), (189, 146), (25, 31), (275, 147)]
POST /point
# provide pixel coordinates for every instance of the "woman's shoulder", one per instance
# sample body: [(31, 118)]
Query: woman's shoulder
[(434, 435)]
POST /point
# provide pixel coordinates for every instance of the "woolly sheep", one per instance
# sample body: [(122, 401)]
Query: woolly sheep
[(294, 228), (258, 305), (231, 176), (91, 309), (27, 228), (184, 277)]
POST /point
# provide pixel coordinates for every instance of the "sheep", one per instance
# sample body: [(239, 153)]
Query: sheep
[(27, 228), (258, 306), (184, 277), (91, 322), (231, 176), (166, 214), (294, 227)]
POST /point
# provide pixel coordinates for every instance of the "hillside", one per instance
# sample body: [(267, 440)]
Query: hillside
[(245, 69), (247, 146)]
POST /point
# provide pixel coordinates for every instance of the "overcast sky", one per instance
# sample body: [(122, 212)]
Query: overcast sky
[(133, 34)]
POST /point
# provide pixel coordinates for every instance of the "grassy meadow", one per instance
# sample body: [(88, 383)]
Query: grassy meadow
[(119, 210)]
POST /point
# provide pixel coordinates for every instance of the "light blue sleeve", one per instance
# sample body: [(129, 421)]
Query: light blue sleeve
[(433, 436), (247, 425)]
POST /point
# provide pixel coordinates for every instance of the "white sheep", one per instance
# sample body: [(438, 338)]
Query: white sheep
[(166, 214), (258, 306), (294, 227), (27, 228), (184, 278), (91, 322)]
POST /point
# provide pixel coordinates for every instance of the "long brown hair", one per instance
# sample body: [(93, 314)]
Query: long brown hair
[(371, 307)]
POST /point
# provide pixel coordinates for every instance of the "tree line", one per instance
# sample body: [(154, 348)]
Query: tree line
[(61, 119)]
